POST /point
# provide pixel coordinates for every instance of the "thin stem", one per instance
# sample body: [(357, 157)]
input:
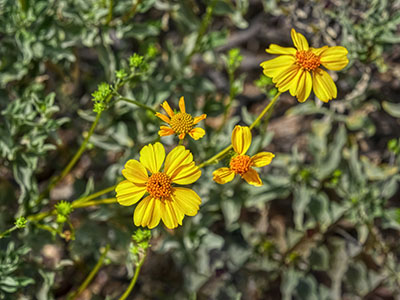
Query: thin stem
[(266, 109), (23, 5), (81, 202), (40, 216), (202, 30), (82, 148), (93, 196), (215, 157), (226, 150), (8, 231), (134, 278), (110, 11), (131, 12), (228, 106), (91, 275), (95, 202), (137, 103), (73, 161)]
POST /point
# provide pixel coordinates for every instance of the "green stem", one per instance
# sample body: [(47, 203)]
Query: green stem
[(91, 275), (40, 216), (231, 97), (94, 195), (202, 30), (131, 12), (137, 103), (8, 231), (72, 162), (82, 148), (95, 202), (215, 157), (23, 5), (226, 150), (81, 202), (265, 110), (134, 278), (110, 11)]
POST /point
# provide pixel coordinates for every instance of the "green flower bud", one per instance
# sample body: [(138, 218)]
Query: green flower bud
[(64, 208), (20, 222), (135, 60)]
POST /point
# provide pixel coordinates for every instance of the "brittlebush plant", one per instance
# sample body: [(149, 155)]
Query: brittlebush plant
[(160, 184), (296, 69)]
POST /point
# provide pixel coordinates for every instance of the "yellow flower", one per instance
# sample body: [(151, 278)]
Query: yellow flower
[(298, 70), (164, 201), (180, 123), (241, 163)]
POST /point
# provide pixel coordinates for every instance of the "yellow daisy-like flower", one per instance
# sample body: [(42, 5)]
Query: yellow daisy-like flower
[(298, 70), (180, 123), (165, 201), (241, 163)]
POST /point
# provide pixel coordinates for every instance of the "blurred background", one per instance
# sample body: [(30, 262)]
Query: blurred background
[(325, 224)]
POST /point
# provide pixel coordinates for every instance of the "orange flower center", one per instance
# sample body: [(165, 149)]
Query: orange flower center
[(240, 164), (181, 122), (307, 60), (159, 185)]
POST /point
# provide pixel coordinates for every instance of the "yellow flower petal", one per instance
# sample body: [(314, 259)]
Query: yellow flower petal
[(251, 176), (135, 172), (241, 139), (152, 157), (186, 200), (299, 40), (262, 159), (323, 85), (155, 219), (178, 213), (294, 87), (178, 156), (318, 51), (129, 193), (276, 49), (165, 131), (223, 175), (197, 133), (186, 174), (286, 79), (199, 118), (144, 211), (168, 215), (182, 136), (163, 117), (182, 105), (276, 66), (304, 86), (167, 108), (334, 58)]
